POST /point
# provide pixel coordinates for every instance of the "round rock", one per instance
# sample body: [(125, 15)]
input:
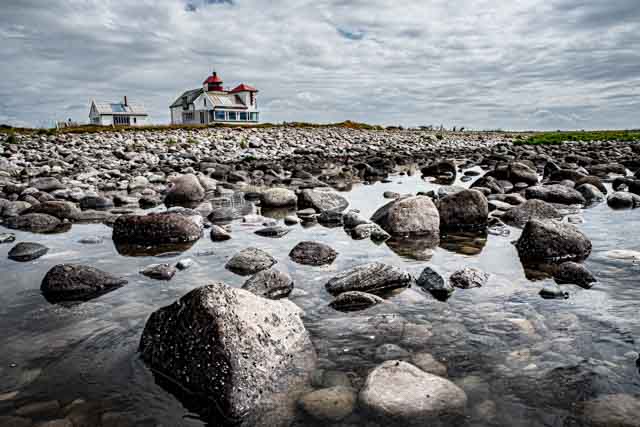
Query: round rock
[(27, 251), (313, 253)]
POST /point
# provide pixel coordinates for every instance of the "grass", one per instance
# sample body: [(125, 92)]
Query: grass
[(557, 138)]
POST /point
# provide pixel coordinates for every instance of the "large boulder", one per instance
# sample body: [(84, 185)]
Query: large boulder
[(574, 273), (531, 209), (186, 189), (156, 229), (403, 394), (591, 193), (464, 210), (73, 282), (278, 197), (552, 241), (240, 352), (555, 193), (58, 208), (412, 215), (250, 261), (373, 278), (322, 201)]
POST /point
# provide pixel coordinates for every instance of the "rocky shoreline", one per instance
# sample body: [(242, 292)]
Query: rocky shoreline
[(252, 341)]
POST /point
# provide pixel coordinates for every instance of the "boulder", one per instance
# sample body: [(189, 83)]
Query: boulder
[(27, 251), (278, 198), (274, 231), (250, 261), (34, 222), (186, 189), (468, 278), (369, 230), (219, 234), (552, 241), (444, 168), (573, 273), (519, 172), (531, 209), (46, 184), (412, 215), (313, 253), (354, 301), (73, 282), (58, 208), (623, 200), (270, 283), (555, 193), (239, 351), (322, 201), (590, 193), (352, 219), (156, 228), (401, 393), (95, 202), (464, 210), (329, 404), (374, 278), (611, 410)]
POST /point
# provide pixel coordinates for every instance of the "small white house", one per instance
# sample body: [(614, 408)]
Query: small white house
[(117, 113), (213, 104)]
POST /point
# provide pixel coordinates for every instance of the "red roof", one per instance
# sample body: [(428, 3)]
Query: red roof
[(213, 80), (244, 88)]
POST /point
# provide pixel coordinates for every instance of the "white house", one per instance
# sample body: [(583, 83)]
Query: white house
[(213, 104), (117, 113)]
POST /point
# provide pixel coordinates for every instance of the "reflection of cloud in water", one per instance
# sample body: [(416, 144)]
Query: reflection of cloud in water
[(465, 243), (419, 248)]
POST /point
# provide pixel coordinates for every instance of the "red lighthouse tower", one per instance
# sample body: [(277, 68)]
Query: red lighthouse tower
[(213, 83)]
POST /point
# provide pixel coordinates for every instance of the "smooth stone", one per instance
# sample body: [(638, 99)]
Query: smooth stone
[(412, 215), (159, 271), (390, 351), (7, 238), (275, 231), (428, 363), (185, 189), (329, 404), (374, 278), (552, 241), (464, 210), (157, 228), (250, 261), (355, 301), (291, 220), (322, 201), (551, 290), (278, 197), (270, 283), (185, 263), (219, 234), (370, 230), (313, 253), (73, 282), (27, 251), (574, 273), (91, 240)]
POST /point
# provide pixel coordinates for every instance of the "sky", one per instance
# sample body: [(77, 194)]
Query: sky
[(481, 64)]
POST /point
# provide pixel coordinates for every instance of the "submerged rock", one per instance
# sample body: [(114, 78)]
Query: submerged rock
[(355, 301), (574, 273), (313, 253), (401, 393), (153, 229), (552, 241), (74, 282), (531, 209), (329, 404), (374, 278), (270, 283), (468, 278), (612, 410), (27, 251), (412, 215), (237, 350), (250, 261), (274, 231), (464, 210)]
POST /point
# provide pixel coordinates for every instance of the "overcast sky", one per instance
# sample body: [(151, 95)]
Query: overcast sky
[(526, 64)]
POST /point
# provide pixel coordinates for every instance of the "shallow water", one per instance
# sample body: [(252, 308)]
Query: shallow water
[(523, 360)]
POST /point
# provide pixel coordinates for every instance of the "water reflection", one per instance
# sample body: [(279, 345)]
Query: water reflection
[(419, 248), (465, 243), (135, 250)]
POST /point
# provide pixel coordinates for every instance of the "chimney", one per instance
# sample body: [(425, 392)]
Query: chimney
[(125, 101)]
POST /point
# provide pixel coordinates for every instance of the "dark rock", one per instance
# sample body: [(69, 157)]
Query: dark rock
[(353, 218), (552, 291), (27, 251), (95, 202), (552, 241), (329, 404), (593, 180), (273, 231), (623, 200), (555, 193), (330, 218), (313, 253), (47, 184), (490, 183), (465, 210), (531, 209), (250, 261), (519, 172), (438, 169), (219, 234), (435, 284), (322, 200), (73, 282), (34, 222), (468, 278), (412, 215), (574, 273), (156, 228), (270, 283), (375, 278), (370, 230), (355, 301), (562, 174), (59, 209), (159, 271), (590, 193)]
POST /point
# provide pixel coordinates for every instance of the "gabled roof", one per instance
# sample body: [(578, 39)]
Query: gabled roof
[(191, 96), (229, 100), (118, 108), (243, 88)]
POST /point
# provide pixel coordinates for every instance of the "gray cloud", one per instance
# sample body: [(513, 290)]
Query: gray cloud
[(474, 63)]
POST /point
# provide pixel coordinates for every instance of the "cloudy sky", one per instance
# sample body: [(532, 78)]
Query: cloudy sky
[(526, 64)]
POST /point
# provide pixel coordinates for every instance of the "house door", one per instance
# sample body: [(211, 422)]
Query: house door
[(203, 117)]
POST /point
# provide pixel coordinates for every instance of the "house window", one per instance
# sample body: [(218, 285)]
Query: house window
[(220, 116), (187, 117), (232, 116), (254, 117), (243, 116), (204, 100), (121, 120), (211, 116), (203, 117), (135, 121)]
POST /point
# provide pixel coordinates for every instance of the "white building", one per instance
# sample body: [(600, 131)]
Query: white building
[(213, 104), (117, 113)]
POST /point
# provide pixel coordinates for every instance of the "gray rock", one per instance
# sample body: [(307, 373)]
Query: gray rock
[(186, 190), (352, 219), (8, 421), (219, 234), (355, 301), (237, 349), (623, 200), (7, 238), (370, 230), (159, 271), (250, 261), (185, 264), (611, 410), (428, 363), (464, 210), (59, 209), (401, 392), (73, 282), (390, 351), (273, 231), (590, 193), (374, 278), (555, 193), (46, 184), (412, 215), (96, 202), (291, 220), (551, 290), (154, 229), (278, 198), (468, 278), (574, 273), (322, 200), (313, 253), (531, 209), (270, 283), (518, 172), (434, 283), (34, 222), (329, 404), (27, 251), (552, 241)]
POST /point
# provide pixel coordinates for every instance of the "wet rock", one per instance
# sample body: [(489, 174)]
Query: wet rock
[(623, 254), (250, 261), (186, 190), (468, 278), (233, 347), (330, 218), (623, 200), (46, 184), (278, 198), (412, 215), (489, 183), (519, 172), (434, 283), (390, 195), (329, 404), (322, 200), (574, 273), (370, 230), (291, 220), (447, 190), (159, 271), (73, 282), (57, 423), (39, 409), (439, 169), (27, 251), (6, 421), (390, 351), (355, 301), (273, 231), (375, 278), (313, 253), (590, 193), (464, 210), (400, 392), (34, 222), (552, 241), (531, 209), (95, 202), (57, 208), (149, 201), (7, 238), (353, 218), (91, 240), (219, 234), (185, 264), (551, 290), (612, 410), (555, 193), (270, 283), (428, 363), (160, 228)]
